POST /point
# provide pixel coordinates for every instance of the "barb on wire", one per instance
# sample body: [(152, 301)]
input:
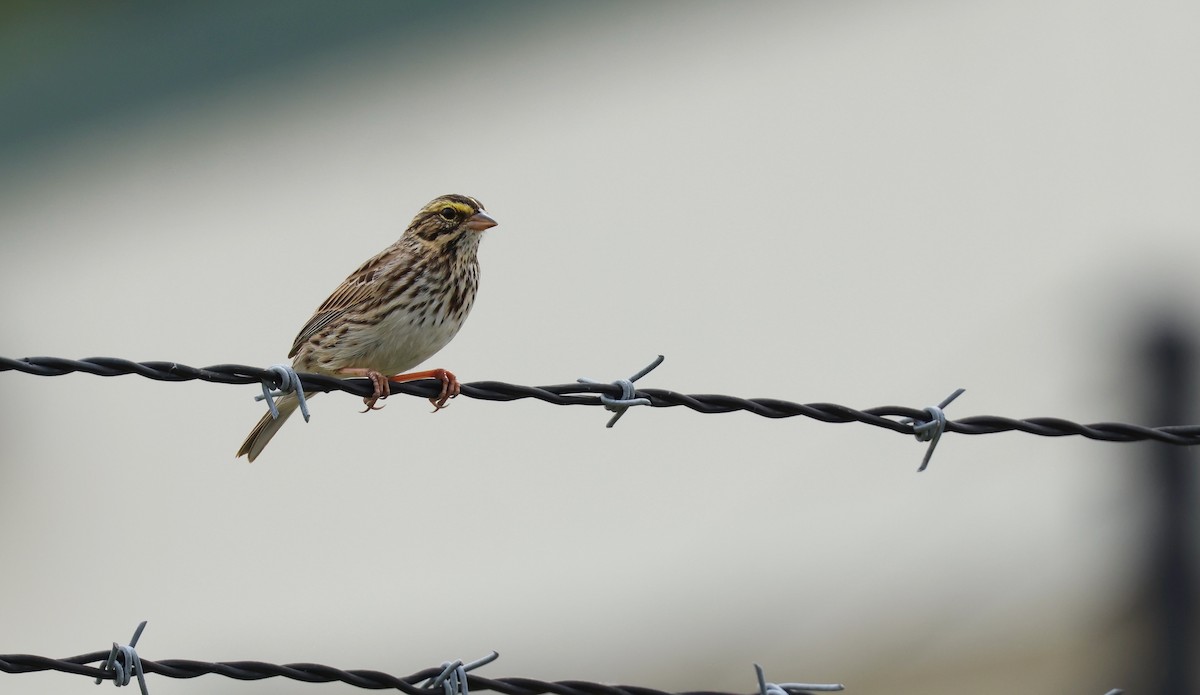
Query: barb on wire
[(629, 396), (586, 394), (931, 429), (289, 382), (453, 678), (765, 688), (123, 662)]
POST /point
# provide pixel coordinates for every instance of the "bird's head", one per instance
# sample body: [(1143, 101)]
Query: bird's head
[(449, 220)]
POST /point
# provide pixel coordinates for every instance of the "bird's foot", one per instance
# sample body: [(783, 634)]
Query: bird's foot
[(383, 385), (383, 389), (450, 385)]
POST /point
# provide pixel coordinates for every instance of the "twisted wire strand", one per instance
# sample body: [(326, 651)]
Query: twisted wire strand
[(589, 394), (318, 673)]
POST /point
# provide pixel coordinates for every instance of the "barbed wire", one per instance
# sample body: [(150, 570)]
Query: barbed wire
[(451, 677), (424, 682), (901, 419)]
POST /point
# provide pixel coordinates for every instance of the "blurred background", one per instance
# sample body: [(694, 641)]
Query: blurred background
[(865, 203)]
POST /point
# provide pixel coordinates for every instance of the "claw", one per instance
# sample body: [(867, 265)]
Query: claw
[(450, 389), (383, 389)]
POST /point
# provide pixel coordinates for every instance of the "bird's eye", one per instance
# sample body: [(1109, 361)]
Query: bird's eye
[(447, 213)]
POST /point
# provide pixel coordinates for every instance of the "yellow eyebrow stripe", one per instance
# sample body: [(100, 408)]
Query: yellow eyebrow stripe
[(462, 208)]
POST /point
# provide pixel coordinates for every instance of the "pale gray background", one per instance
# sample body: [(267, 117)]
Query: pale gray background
[(866, 203)]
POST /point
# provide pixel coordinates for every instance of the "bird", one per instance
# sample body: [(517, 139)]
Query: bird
[(396, 311)]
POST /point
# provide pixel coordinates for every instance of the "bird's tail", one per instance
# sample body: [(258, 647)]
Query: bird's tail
[(268, 426)]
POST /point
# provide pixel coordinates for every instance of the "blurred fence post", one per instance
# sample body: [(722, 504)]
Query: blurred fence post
[(1169, 357)]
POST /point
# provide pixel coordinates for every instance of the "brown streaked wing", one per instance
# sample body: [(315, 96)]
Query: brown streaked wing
[(354, 291), (319, 320)]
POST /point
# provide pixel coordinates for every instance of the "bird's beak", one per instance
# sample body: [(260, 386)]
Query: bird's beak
[(480, 221)]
